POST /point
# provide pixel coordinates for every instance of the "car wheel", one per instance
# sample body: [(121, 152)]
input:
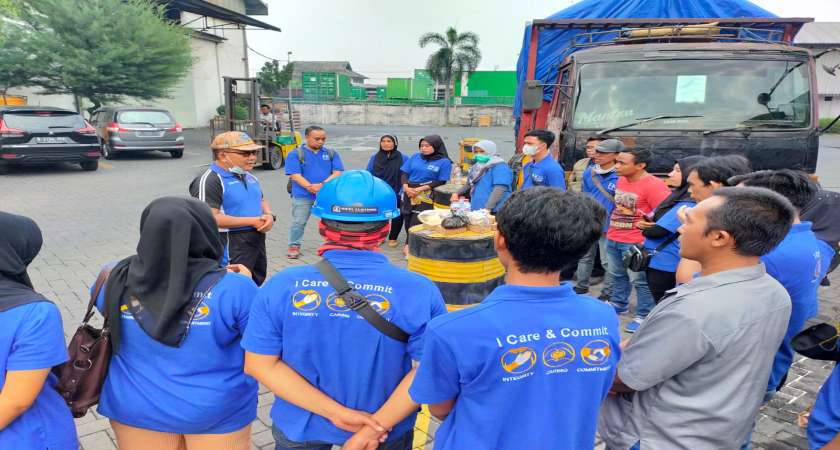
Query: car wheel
[(275, 158), (89, 166), (176, 153), (107, 151)]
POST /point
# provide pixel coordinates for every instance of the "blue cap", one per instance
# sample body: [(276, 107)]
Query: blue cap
[(356, 196)]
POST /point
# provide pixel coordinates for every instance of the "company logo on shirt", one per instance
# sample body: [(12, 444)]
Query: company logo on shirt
[(306, 300), (336, 303), (519, 360), (125, 313), (201, 312), (379, 303), (433, 168), (537, 178), (325, 156), (595, 353), (558, 355)]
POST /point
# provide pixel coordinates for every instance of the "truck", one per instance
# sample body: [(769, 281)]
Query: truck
[(679, 87)]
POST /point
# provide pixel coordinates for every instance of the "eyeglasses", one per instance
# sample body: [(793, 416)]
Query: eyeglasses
[(244, 152)]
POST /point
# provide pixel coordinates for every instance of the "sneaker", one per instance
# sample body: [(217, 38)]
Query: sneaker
[(392, 243), (618, 308), (604, 297), (634, 325), (293, 253), (580, 290)]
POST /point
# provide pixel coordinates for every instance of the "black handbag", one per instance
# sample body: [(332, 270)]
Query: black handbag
[(638, 257)]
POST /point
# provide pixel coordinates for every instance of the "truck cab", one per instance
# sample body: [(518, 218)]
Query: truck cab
[(732, 90)]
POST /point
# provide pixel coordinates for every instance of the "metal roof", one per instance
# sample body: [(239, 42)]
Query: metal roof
[(204, 8), (819, 34), (342, 67)]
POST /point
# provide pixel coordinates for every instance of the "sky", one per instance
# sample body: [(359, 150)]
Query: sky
[(379, 37)]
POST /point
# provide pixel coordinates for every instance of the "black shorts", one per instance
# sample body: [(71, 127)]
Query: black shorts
[(247, 248)]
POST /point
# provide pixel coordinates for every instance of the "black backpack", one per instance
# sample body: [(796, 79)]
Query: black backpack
[(301, 154)]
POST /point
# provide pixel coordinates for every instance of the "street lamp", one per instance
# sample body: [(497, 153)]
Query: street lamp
[(289, 86)]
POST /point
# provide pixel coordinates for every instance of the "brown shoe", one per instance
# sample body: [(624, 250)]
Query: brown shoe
[(293, 253), (392, 243)]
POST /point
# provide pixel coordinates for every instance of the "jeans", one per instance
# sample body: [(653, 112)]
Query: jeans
[(281, 442), (301, 209), (584, 267), (621, 278)]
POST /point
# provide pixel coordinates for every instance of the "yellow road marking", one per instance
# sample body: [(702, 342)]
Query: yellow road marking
[(105, 165)]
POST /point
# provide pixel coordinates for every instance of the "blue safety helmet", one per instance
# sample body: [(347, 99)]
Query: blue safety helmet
[(356, 196)]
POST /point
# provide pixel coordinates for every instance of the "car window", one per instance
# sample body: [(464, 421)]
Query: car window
[(143, 116), (43, 121)]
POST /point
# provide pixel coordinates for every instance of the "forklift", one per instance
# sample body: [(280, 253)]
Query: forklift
[(276, 142)]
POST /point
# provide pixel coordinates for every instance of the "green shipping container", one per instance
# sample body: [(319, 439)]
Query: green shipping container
[(422, 89), (422, 74), (320, 85), (381, 93), (399, 88), (491, 84), (344, 89), (358, 92)]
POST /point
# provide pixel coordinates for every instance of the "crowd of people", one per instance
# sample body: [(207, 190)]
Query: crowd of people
[(725, 263)]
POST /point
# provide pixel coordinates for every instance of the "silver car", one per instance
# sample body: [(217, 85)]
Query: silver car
[(138, 129)]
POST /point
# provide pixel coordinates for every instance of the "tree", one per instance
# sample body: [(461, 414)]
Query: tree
[(272, 79), (18, 66), (458, 53), (104, 50)]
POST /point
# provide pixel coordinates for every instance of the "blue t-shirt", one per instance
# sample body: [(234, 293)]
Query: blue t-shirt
[(497, 175), (667, 259), (421, 171), (31, 338), (197, 388), (546, 172), (528, 368), (316, 167), (798, 263), (608, 182), (240, 197), (824, 423), (297, 317)]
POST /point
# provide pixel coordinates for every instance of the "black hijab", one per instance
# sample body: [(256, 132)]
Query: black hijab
[(386, 165), (440, 148), (823, 211), (179, 244), (679, 194), (20, 242)]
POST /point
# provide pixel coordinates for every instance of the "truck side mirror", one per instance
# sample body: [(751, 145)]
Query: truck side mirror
[(763, 98), (532, 95)]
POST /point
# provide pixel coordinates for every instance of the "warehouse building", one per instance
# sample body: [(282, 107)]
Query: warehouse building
[(821, 36)]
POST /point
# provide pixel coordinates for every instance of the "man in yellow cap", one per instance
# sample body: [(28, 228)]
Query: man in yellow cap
[(234, 195)]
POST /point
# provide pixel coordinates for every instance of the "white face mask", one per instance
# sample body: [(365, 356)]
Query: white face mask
[(529, 150), (237, 170)]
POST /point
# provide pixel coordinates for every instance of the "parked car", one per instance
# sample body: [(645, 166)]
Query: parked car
[(138, 129), (44, 135)]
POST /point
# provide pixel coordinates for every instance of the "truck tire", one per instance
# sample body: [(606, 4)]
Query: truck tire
[(275, 158), (89, 166)]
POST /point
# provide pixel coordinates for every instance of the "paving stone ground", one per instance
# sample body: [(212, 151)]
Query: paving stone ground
[(91, 218)]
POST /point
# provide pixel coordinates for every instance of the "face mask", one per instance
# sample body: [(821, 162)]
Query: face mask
[(237, 170), (529, 150), (481, 159)]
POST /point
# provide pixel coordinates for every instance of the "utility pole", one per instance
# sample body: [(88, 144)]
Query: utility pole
[(289, 90)]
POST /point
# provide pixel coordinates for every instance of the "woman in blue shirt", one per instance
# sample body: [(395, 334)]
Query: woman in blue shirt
[(661, 272), (385, 164), (421, 174), (176, 377), (490, 178), (32, 413)]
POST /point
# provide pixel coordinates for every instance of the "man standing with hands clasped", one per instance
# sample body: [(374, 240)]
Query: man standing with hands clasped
[(237, 202), (308, 167)]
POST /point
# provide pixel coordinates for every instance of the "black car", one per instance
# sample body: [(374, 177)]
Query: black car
[(46, 135)]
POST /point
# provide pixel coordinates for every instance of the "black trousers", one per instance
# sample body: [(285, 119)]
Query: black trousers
[(396, 223), (660, 282), (247, 248)]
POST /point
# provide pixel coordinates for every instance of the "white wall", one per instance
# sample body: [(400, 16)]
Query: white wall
[(33, 98), (829, 109)]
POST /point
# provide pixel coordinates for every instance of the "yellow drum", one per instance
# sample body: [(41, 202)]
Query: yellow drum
[(464, 266)]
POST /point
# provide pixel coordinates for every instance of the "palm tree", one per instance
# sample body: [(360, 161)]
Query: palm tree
[(458, 53)]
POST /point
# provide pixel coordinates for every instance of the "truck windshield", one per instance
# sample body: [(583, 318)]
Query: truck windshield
[(726, 93)]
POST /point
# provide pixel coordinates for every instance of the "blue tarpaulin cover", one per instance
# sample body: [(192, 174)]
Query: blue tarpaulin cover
[(553, 44)]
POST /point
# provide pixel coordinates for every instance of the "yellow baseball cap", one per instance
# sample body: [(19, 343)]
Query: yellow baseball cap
[(234, 140)]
